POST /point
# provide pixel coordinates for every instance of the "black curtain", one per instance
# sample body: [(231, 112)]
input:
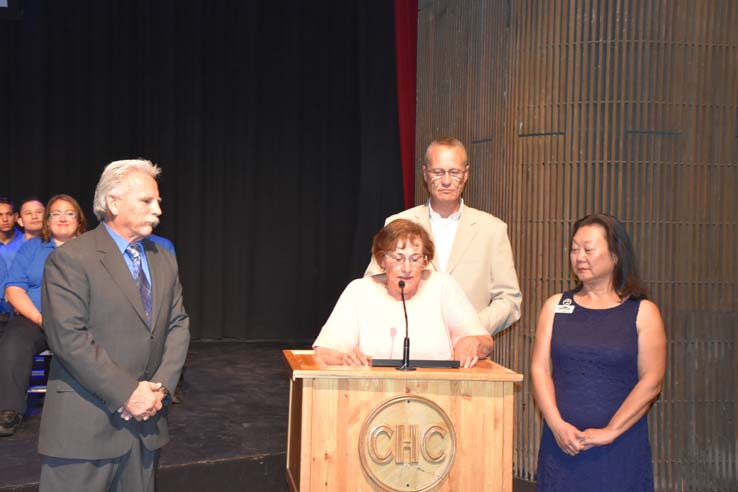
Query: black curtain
[(274, 122)]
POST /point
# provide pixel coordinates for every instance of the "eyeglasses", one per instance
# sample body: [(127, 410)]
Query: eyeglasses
[(415, 260), (455, 174), (69, 214)]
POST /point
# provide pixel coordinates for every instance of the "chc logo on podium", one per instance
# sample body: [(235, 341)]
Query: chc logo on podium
[(407, 444)]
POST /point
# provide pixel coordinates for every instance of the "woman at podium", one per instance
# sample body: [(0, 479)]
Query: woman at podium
[(368, 320), (598, 364)]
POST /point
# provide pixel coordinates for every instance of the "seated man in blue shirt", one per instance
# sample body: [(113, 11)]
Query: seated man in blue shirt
[(10, 240), (166, 243), (31, 217), (11, 237), (4, 306)]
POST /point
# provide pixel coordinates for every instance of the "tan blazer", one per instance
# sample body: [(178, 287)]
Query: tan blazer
[(96, 326), (481, 261)]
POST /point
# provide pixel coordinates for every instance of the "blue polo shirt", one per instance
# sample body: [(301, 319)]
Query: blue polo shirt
[(4, 305), (163, 242), (27, 269), (8, 251), (3, 276)]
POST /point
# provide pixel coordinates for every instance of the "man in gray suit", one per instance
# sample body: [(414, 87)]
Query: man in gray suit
[(472, 246), (114, 318)]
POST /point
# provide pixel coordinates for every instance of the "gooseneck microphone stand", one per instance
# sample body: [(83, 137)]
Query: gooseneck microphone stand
[(406, 345)]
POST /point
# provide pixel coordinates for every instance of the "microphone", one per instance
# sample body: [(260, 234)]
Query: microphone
[(406, 345)]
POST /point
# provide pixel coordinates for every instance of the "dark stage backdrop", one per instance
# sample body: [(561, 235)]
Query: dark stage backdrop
[(275, 123)]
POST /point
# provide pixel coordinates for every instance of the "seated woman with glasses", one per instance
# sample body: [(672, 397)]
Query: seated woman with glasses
[(24, 336), (368, 320)]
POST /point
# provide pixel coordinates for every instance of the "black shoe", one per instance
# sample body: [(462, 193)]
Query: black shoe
[(9, 422)]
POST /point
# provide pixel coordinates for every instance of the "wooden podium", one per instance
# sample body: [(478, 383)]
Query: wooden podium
[(380, 429)]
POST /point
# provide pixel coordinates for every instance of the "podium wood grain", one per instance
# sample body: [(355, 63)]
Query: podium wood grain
[(329, 405)]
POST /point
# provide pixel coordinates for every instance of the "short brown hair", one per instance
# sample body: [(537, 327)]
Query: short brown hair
[(81, 221), (401, 230)]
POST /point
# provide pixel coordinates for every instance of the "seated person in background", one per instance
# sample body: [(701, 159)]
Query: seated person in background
[(166, 243), (31, 218), (4, 306), (3, 275), (368, 321), (24, 336), (11, 237)]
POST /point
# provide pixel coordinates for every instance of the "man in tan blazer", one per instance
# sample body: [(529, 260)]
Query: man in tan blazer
[(114, 318), (471, 245)]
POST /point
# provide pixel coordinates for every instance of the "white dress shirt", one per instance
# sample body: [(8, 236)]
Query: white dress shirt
[(444, 232)]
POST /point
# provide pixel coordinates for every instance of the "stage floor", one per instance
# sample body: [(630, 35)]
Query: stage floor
[(230, 432)]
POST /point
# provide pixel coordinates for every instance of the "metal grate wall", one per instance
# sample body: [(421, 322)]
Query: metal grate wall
[(627, 107)]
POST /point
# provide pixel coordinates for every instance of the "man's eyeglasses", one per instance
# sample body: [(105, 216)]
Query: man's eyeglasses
[(415, 260), (69, 214), (455, 174)]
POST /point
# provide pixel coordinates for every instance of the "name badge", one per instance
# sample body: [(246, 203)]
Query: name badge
[(566, 307)]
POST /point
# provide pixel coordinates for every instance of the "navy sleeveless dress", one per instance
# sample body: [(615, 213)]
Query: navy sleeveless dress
[(594, 355)]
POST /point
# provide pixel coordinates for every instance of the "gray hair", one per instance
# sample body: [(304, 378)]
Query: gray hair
[(448, 142), (113, 181)]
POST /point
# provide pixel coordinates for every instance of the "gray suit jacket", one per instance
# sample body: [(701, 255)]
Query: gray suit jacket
[(481, 261), (96, 326)]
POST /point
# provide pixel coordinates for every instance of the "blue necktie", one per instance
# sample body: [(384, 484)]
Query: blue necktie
[(144, 288)]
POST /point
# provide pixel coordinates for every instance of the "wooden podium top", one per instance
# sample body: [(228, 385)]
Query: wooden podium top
[(304, 364)]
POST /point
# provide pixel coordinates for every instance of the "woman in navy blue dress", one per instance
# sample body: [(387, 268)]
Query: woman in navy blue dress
[(598, 364)]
